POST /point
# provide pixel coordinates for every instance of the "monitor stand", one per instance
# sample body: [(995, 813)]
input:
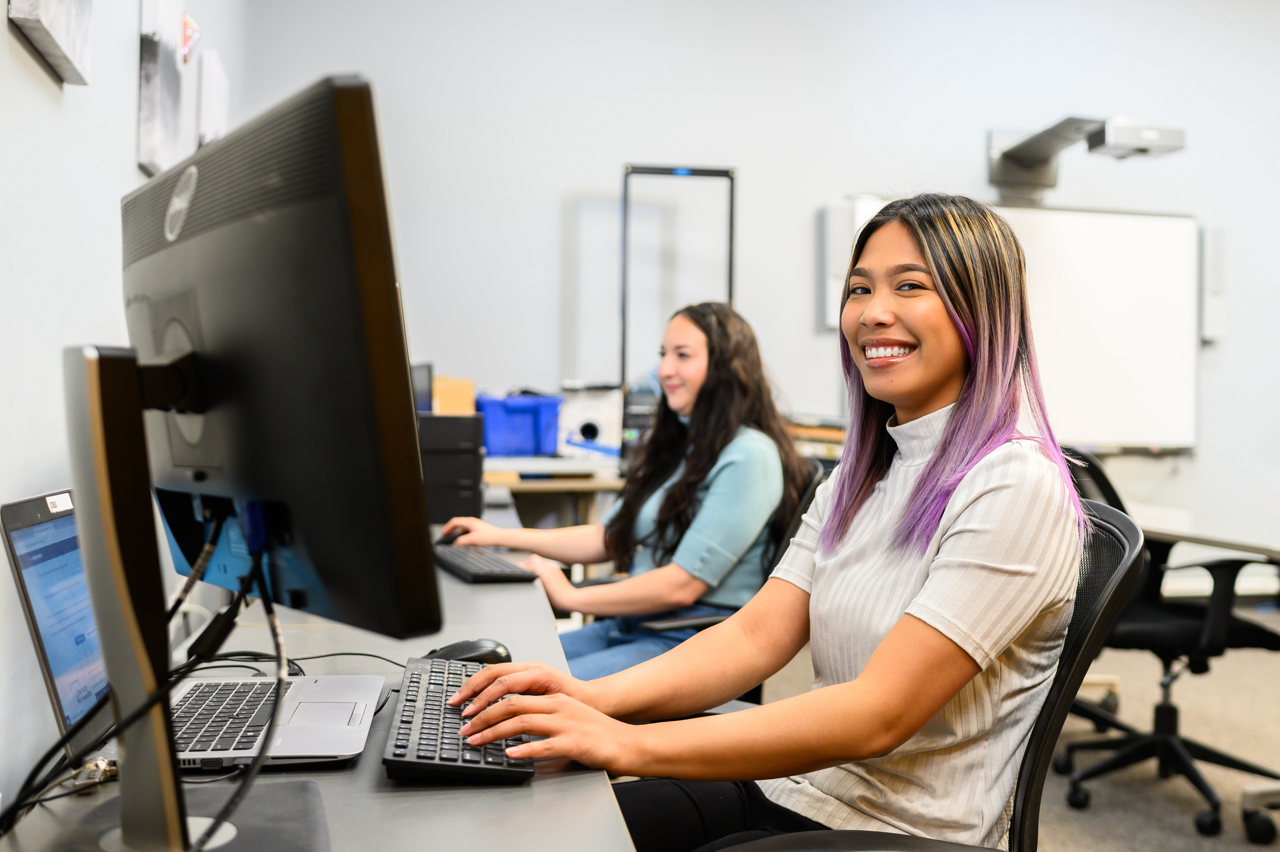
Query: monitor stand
[(115, 524), (280, 817)]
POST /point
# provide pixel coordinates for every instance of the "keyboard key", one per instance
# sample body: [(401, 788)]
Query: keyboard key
[(424, 743)]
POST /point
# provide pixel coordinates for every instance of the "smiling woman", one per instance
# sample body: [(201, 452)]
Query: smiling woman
[(933, 579), (907, 349), (702, 513)]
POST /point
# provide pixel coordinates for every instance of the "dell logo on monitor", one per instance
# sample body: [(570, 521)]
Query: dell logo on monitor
[(180, 203)]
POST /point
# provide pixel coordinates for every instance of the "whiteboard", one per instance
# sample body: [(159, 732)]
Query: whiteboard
[(1114, 311)]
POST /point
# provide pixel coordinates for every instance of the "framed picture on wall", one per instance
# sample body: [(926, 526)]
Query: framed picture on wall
[(160, 85), (59, 29)]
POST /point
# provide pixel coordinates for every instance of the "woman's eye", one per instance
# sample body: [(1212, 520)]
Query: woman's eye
[(859, 290), (910, 285)]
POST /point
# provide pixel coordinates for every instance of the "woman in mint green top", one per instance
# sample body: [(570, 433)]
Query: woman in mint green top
[(703, 510)]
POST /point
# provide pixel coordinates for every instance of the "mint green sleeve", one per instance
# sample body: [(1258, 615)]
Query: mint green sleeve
[(743, 491)]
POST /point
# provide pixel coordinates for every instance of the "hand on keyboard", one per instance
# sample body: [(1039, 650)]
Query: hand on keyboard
[(493, 682), (572, 728), (424, 744)]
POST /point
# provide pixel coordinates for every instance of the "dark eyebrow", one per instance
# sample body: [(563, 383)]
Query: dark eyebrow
[(896, 270)]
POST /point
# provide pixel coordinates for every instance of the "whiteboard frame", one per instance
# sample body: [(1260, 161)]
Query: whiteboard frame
[(1125, 313)]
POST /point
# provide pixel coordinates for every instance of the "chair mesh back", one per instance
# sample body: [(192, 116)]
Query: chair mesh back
[(1108, 575), (1102, 555)]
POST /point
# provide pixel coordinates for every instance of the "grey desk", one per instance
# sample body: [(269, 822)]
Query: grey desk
[(563, 808), (1171, 526)]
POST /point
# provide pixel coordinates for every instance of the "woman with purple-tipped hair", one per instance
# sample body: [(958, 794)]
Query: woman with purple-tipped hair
[(933, 578)]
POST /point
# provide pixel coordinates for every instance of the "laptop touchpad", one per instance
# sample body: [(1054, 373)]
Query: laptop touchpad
[(322, 713)]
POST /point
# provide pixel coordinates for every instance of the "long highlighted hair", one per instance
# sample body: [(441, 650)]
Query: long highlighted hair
[(980, 272)]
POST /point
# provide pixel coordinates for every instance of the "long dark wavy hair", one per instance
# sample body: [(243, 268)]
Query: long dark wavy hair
[(735, 393)]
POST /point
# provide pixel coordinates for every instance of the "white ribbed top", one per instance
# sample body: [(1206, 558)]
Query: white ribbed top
[(998, 579)]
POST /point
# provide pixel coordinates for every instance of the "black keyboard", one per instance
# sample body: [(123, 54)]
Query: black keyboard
[(424, 742), (223, 715), (475, 565)]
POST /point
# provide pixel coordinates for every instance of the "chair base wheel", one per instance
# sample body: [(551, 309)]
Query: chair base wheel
[(1110, 702), (1208, 823), (1063, 764), (1259, 827), (1078, 798)]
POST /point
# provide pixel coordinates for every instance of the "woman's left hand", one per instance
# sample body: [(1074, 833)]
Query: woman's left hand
[(557, 586), (572, 729)]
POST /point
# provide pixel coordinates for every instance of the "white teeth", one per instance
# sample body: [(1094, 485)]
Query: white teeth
[(885, 351)]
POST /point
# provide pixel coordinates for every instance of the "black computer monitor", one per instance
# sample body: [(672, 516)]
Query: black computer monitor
[(264, 314)]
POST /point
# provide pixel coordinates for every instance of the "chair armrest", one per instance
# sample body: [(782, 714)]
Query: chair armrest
[(597, 581), (1213, 640), (689, 622), (730, 707), (851, 841)]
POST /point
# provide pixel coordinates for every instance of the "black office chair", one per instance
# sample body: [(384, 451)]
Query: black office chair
[(1109, 570), (1184, 636)]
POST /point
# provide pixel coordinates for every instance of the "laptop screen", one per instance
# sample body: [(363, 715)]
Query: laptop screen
[(48, 556)]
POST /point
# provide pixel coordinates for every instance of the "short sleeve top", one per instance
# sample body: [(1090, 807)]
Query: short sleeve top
[(998, 578), (727, 542)]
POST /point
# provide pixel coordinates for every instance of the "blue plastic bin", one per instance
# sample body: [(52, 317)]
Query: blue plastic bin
[(520, 425)]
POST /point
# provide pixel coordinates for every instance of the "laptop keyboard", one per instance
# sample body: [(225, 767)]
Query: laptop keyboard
[(223, 715), (424, 742), (475, 565)]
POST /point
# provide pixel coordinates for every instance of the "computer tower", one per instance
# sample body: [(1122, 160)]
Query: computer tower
[(452, 448)]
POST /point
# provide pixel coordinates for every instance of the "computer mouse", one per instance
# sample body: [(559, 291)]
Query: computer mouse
[(487, 651), (451, 537)]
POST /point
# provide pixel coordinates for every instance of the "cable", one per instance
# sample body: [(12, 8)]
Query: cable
[(385, 699), (295, 670), (232, 774), (282, 665), (39, 797), (69, 793), (197, 570), (9, 817), (352, 654), (205, 668)]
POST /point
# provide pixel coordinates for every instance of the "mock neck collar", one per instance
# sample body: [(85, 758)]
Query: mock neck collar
[(918, 439)]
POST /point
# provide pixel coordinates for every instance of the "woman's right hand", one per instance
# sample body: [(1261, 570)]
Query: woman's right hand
[(532, 678), (475, 532)]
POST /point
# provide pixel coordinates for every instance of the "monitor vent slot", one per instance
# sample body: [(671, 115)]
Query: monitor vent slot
[(264, 165)]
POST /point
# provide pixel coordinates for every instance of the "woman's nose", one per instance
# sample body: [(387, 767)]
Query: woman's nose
[(876, 311)]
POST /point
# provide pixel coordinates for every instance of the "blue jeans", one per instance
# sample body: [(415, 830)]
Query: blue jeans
[(609, 645)]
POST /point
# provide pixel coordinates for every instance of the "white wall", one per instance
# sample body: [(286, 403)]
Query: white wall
[(493, 114), (67, 155)]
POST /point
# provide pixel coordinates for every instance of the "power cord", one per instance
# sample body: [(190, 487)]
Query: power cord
[(197, 570), (385, 699), (282, 665), (10, 815)]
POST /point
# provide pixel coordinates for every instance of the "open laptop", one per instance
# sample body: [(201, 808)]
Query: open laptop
[(323, 719)]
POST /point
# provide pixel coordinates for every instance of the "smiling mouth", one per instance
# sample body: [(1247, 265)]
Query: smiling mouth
[(876, 352)]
